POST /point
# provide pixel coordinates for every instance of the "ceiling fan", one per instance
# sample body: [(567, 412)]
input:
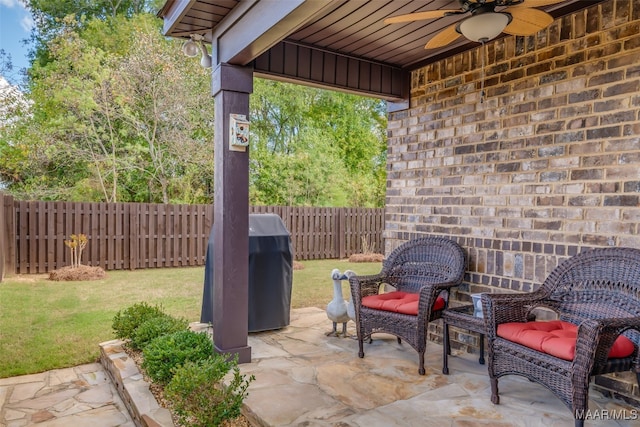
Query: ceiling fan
[(515, 17)]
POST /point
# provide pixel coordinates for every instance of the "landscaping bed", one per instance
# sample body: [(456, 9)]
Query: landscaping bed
[(157, 390)]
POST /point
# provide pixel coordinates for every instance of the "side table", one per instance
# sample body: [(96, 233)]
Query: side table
[(461, 317)]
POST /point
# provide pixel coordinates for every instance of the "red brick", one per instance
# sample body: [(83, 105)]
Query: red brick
[(622, 61), (587, 95), (610, 77), (622, 88), (585, 174), (609, 105), (603, 133)]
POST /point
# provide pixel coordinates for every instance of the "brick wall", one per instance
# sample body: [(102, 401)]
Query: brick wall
[(546, 165)]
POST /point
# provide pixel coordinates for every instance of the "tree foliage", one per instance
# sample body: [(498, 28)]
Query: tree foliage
[(316, 147), (113, 128), (50, 15), (118, 114)]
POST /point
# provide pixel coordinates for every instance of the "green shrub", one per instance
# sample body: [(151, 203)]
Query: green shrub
[(126, 321), (199, 396), (155, 327), (165, 353)]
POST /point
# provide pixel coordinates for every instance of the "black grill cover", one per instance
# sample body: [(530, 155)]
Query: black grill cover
[(270, 274)]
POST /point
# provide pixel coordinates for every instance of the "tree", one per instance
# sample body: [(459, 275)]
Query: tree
[(168, 113), (119, 114), (6, 64), (316, 147), (51, 17), (74, 101), (117, 128)]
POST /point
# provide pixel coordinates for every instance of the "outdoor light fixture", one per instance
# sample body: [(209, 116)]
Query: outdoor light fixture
[(192, 47), (483, 27)]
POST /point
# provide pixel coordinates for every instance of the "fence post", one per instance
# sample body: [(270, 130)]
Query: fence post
[(134, 235), (7, 236), (338, 249)]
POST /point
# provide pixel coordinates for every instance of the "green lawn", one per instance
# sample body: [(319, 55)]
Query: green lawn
[(46, 325)]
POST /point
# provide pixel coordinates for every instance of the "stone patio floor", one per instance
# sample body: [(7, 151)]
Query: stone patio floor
[(304, 378), (82, 396)]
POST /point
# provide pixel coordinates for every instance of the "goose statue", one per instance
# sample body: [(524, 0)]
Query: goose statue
[(337, 308), (351, 310)]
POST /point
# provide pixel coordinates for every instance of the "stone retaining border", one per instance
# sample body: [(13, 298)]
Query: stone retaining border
[(132, 388)]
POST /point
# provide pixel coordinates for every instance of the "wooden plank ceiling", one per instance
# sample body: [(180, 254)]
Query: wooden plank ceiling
[(351, 31)]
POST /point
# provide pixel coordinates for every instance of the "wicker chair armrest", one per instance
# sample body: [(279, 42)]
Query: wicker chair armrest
[(596, 336), (446, 285), (362, 286), (620, 323), (429, 292), (504, 308)]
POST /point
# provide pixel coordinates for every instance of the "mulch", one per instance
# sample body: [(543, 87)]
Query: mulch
[(82, 272), (366, 258)]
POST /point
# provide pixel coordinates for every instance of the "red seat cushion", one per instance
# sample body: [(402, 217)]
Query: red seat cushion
[(557, 338), (399, 302)]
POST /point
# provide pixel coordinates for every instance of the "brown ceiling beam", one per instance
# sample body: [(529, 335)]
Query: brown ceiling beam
[(254, 26)]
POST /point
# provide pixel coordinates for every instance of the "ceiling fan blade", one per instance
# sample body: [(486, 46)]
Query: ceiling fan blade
[(418, 16), (443, 38), (527, 22), (534, 3)]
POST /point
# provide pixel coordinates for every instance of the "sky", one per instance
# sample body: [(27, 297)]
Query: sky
[(15, 25)]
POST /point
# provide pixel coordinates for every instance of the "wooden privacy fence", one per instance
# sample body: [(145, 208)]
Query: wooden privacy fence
[(329, 233), (136, 235)]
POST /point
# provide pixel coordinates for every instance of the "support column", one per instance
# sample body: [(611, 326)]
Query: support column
[(231, 86)]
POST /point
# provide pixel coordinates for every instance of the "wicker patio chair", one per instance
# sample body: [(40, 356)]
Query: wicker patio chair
[(598, 291), (422, 271)]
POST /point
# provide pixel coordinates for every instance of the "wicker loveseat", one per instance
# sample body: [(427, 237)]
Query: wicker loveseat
[(596, 295), (421, 271)]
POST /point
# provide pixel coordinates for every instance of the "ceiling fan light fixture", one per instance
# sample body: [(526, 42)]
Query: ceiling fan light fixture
[(483, 27)]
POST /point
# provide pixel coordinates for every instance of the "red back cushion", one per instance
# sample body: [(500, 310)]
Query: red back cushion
[(557, 338), (399, 302)]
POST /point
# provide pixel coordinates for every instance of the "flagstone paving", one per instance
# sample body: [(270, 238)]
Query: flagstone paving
[(304, 378), (73, 397)]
